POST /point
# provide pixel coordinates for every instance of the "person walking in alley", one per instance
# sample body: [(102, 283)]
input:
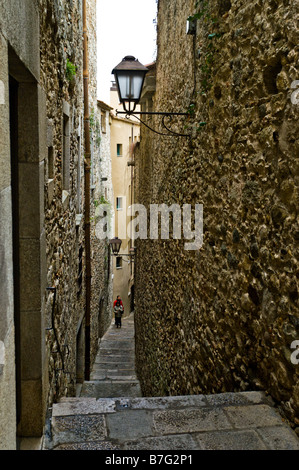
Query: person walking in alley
[(121, 303), (118, 311)]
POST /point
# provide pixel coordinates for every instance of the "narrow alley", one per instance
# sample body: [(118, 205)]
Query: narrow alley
[(149, 172), (113, 373), (110, 413)]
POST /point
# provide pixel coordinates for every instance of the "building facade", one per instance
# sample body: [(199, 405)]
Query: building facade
[(124, 138), (102, 197)]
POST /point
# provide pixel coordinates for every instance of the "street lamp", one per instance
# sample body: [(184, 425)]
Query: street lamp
[(129, 77), (115, 244)]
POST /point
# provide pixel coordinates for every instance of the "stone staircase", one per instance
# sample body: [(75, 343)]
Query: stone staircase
[(113, 373), (110, 413)]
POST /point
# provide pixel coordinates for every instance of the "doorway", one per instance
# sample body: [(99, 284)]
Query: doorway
[(13, 110), (27, 111)]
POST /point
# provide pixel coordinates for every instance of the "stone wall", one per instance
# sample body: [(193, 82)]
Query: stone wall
[(61, 41), (42, 270), (18, 38), (61, 32), (223, 318), (103, 194), (102, 285), (101, 268)]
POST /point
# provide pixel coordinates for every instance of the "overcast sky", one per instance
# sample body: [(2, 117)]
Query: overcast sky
[(125, 27)]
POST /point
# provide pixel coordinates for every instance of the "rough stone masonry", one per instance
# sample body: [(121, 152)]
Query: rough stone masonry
[(225, 317)]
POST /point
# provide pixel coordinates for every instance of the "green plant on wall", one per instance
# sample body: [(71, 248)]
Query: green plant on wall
[(203, 12), (191, 112), (207, 53), (102, 200), (71, 70)]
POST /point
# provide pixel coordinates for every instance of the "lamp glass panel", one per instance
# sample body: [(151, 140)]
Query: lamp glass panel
[(115, 245), (137, 86), (130, 86)]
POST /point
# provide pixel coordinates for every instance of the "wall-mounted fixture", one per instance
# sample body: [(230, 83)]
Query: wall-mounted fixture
[(129, 77), (115, 244), (191, 26)]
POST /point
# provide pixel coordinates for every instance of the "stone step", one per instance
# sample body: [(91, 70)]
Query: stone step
[(111, 413), (114, 375), (106, 366), (230, 421), (113, 372), (111, 389)]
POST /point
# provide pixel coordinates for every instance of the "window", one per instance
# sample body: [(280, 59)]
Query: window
[(119, 203), (119, 262), (119, 150)]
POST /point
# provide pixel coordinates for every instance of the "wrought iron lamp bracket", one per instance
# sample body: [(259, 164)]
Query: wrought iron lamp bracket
[(165, 116), (129, 255)]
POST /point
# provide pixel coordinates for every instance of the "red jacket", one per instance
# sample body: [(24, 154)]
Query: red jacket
[(121, 303)]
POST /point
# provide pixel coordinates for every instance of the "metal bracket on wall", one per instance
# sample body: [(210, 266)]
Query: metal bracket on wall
[(165, 116)]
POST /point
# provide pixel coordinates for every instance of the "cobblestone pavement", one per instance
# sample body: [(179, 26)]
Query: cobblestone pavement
[(112, 415)]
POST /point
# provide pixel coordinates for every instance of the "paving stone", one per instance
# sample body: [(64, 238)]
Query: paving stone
[(253, 416), (187, 421), (174, 442), (164, 403), (129, 425), (83, 406), (78, 428), (231, 440), (101, 445), (243, 398), (279, 438)]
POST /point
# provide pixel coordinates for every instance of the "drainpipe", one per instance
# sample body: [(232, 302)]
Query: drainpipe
[(87, 162)]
